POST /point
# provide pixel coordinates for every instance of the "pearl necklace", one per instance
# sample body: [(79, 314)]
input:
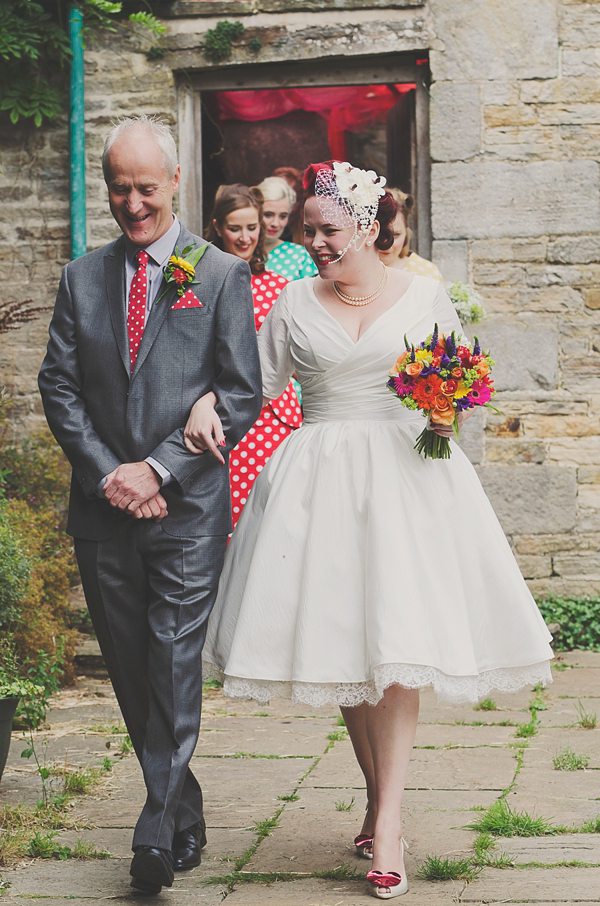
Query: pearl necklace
[(363, 300)]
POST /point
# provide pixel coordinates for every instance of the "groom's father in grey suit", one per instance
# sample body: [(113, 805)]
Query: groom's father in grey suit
[(125, 363)]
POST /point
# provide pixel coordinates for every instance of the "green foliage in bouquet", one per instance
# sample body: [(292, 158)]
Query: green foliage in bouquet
[(467, 302)]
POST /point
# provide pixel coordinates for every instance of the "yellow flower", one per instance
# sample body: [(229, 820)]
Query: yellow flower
[(183, 264), (461, 390), (423, 355)]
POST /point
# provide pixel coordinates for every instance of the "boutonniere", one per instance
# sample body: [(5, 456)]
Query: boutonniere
[(181, 268)]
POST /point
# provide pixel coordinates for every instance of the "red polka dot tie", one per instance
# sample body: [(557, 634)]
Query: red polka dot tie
[(136, 313)]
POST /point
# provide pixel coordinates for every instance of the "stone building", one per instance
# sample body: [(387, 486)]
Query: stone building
[(501, 148)]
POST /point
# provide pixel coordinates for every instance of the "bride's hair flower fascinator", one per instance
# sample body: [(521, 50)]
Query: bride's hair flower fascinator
[(349, 197)]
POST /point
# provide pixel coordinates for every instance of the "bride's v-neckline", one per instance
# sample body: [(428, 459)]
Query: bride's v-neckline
[(372, 324)]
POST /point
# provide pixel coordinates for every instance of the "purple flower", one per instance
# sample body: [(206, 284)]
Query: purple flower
[(464, 403)]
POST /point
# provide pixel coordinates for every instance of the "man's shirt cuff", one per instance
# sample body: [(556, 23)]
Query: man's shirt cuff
[(160, 470)]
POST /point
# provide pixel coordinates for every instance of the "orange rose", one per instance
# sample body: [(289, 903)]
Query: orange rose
[(441, 402), (414, 369), (442, 416), (449, 387), (402, 359), (456, 372), (482, 369)]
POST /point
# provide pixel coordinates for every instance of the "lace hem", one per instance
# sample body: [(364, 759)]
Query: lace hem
[(455, 689)]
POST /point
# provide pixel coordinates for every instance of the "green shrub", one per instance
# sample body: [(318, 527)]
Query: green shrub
[(578, 618), (14, 577), (34, 492)]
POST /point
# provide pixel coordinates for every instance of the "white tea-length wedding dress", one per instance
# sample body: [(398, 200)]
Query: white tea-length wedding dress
[(356, 563)]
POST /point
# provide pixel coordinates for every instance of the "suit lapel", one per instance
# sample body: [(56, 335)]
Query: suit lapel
[(160, 310), (114, 275)]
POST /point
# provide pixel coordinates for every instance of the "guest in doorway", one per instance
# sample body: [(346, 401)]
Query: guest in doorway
[(286, 258), (400, 254), (237, 227)]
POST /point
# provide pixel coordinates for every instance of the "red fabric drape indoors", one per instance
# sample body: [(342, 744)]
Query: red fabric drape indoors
[(345, 108)]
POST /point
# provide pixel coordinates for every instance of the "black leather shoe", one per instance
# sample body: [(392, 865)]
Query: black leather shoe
[(151, 869), (187, 844)]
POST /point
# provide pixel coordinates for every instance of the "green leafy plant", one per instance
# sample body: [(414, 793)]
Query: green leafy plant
[(485, 853), (524, 731), (500, 820), (587, 719), (568, 760), (578, 619), (487, 704), (436, 869), (35, 50), (218, 40), (341, 806)]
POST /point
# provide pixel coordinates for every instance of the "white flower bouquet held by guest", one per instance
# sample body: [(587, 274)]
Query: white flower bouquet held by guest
[(467, 301), (360, 572)]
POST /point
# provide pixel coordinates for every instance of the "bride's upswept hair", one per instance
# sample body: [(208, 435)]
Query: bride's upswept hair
[(386, 212), (233, 198)]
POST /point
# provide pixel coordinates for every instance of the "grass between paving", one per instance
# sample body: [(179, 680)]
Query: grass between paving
[(263, 829), (30, 832)]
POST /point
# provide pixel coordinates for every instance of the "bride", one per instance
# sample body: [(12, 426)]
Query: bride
[(360, 572)]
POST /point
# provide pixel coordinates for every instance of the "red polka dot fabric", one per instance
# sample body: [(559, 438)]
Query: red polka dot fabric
[(276, 421), (136, 312), (187, 300)]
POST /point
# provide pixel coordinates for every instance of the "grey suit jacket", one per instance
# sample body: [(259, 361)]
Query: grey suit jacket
[(101, 416)]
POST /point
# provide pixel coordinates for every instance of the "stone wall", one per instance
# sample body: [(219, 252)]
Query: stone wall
[(515, 140)]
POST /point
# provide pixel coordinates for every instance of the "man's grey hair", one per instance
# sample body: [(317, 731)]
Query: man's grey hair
[(153, 126)]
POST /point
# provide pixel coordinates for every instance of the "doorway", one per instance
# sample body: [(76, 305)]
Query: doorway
[(239, 124)]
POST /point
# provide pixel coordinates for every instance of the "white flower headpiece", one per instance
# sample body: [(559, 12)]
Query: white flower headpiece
[(348, 196)]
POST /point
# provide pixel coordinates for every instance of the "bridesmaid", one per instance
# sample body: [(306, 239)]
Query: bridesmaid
[(236, 227), (286, 258), (400, 254)]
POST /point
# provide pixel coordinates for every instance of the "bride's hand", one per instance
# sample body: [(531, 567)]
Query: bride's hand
[(448, 430), (203, 430)]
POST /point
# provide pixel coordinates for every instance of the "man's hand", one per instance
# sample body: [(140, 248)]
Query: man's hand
[(155, 508), (131, 485)]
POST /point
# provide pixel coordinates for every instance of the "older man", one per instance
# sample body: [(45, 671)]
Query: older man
[(129, 353)]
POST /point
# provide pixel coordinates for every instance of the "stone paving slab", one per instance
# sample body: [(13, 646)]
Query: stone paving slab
[(549, 850), (258, 736), (447, 736), (313, 835), (224, 844), (97, 881), (314, 892), (550, 885), (441, 769), (237, 791), (550, 742)]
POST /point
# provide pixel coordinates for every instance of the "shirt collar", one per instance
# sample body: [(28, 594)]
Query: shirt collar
[(159, 250)]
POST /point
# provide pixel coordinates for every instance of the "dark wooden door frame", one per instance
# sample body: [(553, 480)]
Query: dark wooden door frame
[(367, 70)]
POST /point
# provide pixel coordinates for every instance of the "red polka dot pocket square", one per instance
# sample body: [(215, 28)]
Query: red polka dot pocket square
[(187, 300)]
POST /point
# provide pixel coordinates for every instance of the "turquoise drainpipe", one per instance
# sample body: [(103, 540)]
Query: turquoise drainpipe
[(77, 133)]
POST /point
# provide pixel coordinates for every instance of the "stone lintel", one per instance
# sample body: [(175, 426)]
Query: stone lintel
[(211, 8)]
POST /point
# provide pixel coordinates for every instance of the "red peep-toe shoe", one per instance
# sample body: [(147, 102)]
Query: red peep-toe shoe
[(361, 843)]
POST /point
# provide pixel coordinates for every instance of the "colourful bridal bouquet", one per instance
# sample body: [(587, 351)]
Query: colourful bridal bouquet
[(442, 376)]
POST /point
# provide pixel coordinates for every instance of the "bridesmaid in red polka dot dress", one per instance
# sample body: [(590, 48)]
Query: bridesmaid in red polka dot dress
[(236, 227)]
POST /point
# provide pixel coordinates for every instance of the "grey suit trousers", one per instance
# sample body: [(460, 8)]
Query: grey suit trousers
[(150, 595)]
